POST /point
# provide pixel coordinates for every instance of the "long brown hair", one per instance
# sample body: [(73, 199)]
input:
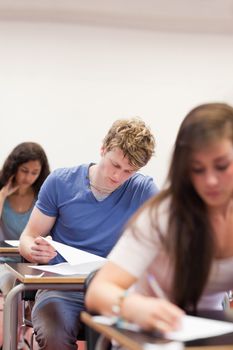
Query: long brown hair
[(190, 241), (23, 153)]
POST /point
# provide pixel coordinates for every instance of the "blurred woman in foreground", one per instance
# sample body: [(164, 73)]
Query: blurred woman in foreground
[(182, 239)]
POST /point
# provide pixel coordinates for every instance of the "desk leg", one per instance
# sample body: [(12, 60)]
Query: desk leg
[(10, 313), (10, 320), (102, 343)]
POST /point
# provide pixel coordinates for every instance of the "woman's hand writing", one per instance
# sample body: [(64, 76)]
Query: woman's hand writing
[(152, 313)]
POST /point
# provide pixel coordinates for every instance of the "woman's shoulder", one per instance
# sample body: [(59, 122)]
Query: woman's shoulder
[(154, 216)]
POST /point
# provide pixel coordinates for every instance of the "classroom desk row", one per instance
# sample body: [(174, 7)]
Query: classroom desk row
[(7, 250), (28, 279), (132, 340)]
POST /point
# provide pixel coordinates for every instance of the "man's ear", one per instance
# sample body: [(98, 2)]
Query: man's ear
[(102, 151)]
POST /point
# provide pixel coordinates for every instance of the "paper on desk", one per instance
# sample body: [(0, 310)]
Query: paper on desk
[(198, 327), (72, 255), (13, 243), (171, 345), (192, 328), (67, 269), (111, 320)]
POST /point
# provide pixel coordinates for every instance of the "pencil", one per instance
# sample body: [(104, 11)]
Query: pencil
[(156, 287)]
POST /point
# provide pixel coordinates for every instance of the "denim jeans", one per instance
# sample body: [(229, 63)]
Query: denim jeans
[(56, 319)]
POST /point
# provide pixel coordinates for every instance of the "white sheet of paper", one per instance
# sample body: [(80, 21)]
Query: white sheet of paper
[(72, 255), (199, 327), (13, 243), (192, 328), (67, 269), (33, 276), (171, 345)]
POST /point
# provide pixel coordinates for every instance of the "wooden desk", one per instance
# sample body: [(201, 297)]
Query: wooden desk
[(8, 250), (136, 341), (27, 279)]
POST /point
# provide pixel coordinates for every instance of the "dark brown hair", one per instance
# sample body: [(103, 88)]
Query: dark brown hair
[(24, 153), (190, 240)]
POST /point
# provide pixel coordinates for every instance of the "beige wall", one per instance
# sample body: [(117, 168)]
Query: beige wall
[(62, 85)]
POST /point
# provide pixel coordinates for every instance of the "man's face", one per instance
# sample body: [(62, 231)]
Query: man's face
[(114, 168)]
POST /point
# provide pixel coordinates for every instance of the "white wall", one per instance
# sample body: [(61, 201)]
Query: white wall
[(63, 85)]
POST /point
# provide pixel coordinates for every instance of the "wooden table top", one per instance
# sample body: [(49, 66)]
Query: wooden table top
[(136, 341), (7, 248), (26, 274)]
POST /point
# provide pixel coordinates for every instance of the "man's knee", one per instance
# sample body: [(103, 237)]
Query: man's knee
[(55, 326)]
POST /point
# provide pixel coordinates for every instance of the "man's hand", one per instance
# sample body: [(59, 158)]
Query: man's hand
[(41, 251)]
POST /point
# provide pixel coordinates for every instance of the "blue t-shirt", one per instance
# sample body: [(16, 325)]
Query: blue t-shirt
[(82, 221), (13, 223)]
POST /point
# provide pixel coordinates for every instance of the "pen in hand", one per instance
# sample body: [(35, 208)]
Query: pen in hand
[(156, 287), (173, 313)]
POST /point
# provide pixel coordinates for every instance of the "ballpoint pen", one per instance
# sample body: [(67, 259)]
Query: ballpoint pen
[(156, 287)]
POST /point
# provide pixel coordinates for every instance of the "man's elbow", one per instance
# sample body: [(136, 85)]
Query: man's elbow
[(23, 246)]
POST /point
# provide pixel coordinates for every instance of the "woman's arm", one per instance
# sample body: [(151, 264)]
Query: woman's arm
[(107, 290), (6, 191)]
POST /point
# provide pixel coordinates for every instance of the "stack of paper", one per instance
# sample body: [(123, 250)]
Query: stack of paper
[(78, 261)]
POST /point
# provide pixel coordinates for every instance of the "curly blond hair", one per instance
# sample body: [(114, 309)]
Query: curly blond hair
[(134, 138)]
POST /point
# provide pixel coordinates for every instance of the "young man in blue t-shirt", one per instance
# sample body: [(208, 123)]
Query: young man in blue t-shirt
[(85, 207)]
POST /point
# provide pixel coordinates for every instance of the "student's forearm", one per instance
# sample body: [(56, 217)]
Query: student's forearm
[(107, 288), (25, 247), (148, 312), (102, 297), (32, 246)]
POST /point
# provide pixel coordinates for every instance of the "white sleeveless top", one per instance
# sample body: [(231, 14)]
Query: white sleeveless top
[(145, 255)]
